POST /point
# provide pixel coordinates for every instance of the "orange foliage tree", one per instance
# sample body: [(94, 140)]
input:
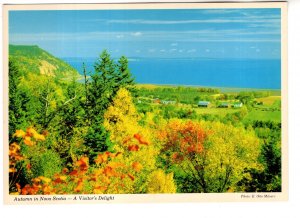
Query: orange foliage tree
[(108, 175), (123, 171), (183, 146), (17, 161), (211, 156)]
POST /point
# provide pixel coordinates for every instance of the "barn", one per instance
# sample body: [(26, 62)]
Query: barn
[(203, 103), (238, 105)]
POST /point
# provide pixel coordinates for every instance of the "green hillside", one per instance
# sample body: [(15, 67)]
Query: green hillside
[(33, 59)]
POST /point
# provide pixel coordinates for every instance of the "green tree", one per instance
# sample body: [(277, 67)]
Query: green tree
[(125, 79), (100, 91), (268, 179), (197, 99), (47, 98), (71, 112), (70, 116), (246, 97), (101, 87), (99, 94), (18, 100)]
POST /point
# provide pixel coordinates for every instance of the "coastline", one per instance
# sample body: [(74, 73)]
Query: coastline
[(222, 89)]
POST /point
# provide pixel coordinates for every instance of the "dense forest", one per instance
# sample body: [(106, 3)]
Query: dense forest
[(109, 135)]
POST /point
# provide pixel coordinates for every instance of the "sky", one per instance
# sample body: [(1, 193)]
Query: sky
[(180, 33)]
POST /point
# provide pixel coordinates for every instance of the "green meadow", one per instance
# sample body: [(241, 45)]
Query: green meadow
[(261, 104)]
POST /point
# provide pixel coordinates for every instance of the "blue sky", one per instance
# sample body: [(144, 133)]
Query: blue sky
[(188, 33)]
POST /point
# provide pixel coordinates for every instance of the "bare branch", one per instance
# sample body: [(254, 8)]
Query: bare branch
[(71, 99)]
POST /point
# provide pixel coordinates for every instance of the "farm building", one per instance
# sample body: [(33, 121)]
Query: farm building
[(203, 103), (238, 105), (224, 105)]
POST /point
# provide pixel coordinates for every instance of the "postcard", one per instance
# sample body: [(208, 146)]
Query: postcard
[(145, 102)]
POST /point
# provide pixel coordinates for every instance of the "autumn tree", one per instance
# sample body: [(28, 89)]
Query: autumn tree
[(20, 152), (110, 174), (160, 182), (130, 138), (183, 146), (210, 154), (47, 99)]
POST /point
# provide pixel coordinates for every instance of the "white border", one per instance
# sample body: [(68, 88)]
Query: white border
[(285, 209), (150, 198)]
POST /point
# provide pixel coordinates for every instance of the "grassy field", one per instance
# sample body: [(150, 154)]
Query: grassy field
[(210, 110), (255, 114), (216, 111), (269, 108), (264, 116), (269, 100), (275, 92)]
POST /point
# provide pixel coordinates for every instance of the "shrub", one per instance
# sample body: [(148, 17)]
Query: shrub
[(45, 164)]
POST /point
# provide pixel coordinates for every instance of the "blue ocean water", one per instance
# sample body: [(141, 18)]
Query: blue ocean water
[(239, 73)]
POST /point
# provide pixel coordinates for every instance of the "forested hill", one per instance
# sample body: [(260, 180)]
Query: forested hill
[(33, 59)]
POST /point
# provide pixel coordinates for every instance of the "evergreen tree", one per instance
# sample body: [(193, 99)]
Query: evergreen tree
[(45, 98), (124, 78), (85, 103), (99, 94), (17, 100), (97, 140), (71, 111), (100, 89), (68, 119), (268, 179)]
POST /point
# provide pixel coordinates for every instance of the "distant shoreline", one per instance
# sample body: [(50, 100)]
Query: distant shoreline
[(222, 89)]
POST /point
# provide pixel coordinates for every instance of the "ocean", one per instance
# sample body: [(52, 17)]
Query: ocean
[(235, 73)]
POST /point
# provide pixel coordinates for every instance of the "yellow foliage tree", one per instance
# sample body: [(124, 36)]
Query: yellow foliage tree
[(230, 151), (132, 140), (121, 117), (159, 182)]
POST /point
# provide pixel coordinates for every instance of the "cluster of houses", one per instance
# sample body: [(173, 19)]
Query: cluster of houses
[(158, 101), (221, 105), (200, 103)]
